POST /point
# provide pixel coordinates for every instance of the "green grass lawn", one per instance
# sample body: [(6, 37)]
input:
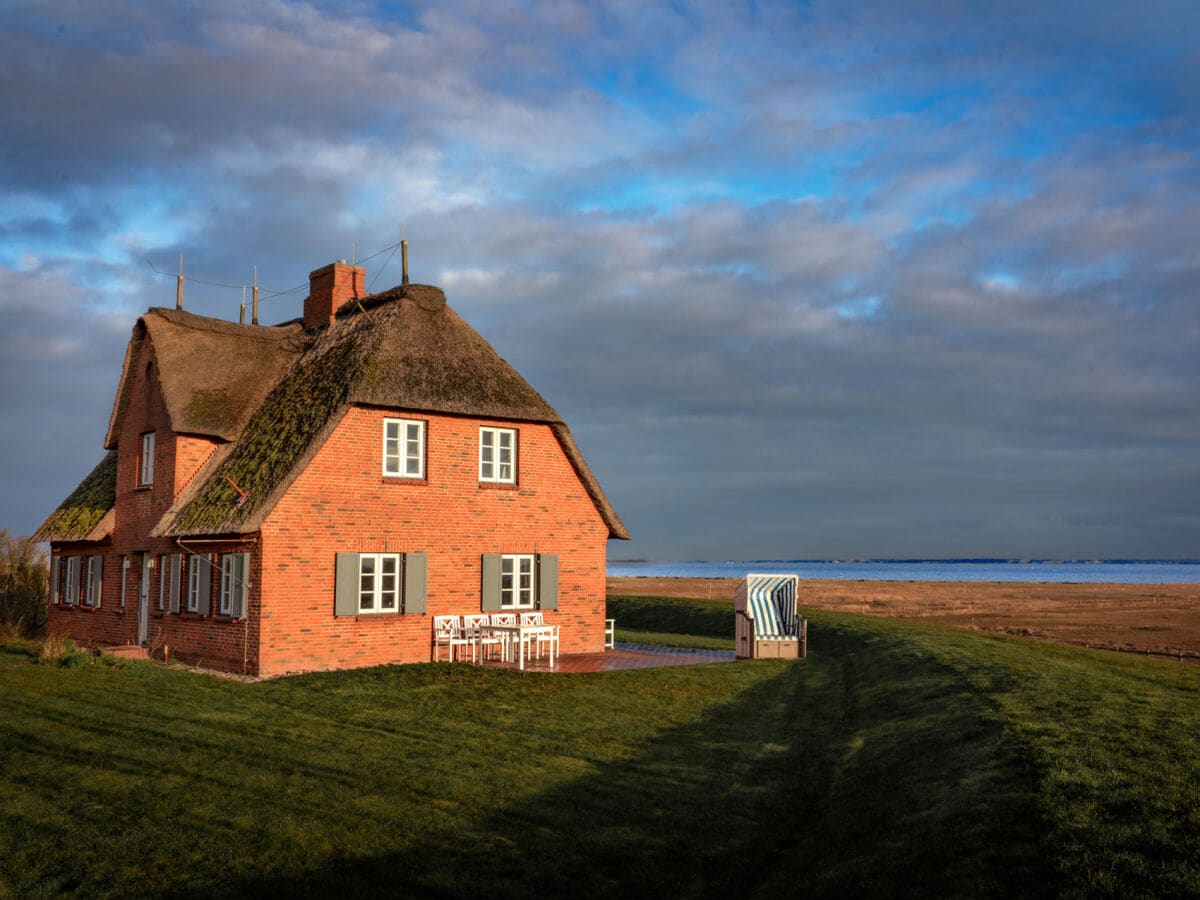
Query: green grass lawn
[(898, 759)]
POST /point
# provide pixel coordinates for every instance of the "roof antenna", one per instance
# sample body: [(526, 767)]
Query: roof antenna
[(403, 256), (254, 311), (179, 285), (242, 315)]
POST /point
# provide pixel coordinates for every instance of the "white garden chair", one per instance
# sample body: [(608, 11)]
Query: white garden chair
[(474, 627), (448, 632), (548, 637)]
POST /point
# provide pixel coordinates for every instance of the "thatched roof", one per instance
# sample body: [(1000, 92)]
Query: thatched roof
[(401, 349), (213, 373), (86, 515)]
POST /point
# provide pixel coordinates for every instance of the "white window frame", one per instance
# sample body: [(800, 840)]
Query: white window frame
[(125, 564), (399, 446), (373, 591), (146, 474), (95, 580), (193, 583), (231, 581), (513, 593), (164, 569), (71, 581), (495, 458)]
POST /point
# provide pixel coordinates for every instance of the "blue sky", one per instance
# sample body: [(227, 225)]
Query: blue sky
[(819, 279)]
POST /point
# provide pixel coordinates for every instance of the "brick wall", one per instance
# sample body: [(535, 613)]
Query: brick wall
[(343, 503), (220, 642)]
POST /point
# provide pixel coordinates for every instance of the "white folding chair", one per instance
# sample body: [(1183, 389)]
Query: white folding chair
[(549, 637)]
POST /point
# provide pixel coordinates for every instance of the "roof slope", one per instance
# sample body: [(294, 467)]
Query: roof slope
[(213, 374), (84, 516), (404, 349)]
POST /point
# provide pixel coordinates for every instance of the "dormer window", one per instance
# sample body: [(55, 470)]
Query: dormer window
[(404, 448), (497, 455), (146, 471)]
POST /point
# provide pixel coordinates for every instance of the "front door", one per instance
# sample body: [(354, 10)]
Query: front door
[(144, 599)]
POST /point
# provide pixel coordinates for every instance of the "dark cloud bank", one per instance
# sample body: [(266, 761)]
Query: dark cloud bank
[(805, 283)]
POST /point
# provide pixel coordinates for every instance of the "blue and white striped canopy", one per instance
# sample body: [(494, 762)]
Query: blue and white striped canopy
[(772, 603)]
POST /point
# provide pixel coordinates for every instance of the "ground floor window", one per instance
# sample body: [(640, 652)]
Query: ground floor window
[(95, 573), (193, 584), (71, 587), (124, 578), (516, 581), (234, 575), (378, 582)]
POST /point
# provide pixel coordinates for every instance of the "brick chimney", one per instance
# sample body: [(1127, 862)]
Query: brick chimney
[(329, 288)]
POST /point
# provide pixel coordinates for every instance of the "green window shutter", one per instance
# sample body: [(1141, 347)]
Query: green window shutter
[(491, 582), (54, 563), (547, 581), (205, 563), (176, 561), (416, 573), (240, 607), (345, 585)]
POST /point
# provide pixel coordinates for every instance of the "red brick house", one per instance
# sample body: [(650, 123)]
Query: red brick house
[(309, 495)]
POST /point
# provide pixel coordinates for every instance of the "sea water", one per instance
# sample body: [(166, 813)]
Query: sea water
[(1100, 571)]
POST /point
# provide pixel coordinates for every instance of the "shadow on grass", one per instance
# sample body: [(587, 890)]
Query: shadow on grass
[(868, 769)]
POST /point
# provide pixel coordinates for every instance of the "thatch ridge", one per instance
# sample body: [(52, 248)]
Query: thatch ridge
[(87, 506)]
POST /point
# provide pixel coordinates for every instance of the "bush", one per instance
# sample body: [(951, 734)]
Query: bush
[(62, 651), (24, 584)]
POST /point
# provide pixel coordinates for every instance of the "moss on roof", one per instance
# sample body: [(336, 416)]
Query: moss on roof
[(81, 512), (278, 434)]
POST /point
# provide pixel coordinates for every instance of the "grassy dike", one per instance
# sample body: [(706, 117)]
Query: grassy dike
[(898, 759)]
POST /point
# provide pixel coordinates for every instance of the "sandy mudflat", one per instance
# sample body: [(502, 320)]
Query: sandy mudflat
[(1159, 619)]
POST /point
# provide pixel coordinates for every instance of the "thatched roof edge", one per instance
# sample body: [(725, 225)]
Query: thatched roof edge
[(81, 515)]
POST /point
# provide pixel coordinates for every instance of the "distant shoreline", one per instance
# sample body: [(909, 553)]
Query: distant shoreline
[(1154, 619)]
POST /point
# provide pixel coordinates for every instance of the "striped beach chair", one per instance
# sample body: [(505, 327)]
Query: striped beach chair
[(767, 620)]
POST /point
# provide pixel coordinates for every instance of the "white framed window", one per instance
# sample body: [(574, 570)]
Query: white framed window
[(233, 584), (404, 448), (146, 473), (379, 582), (71, 590), (124, 578), (516, 581), (95, 575), (193, 584), (497, 454)]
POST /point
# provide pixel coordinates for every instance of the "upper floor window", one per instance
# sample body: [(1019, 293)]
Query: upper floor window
[(404, 448), (146, 472), (497, 455)]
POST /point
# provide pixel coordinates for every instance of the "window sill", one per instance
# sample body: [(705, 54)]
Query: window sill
[(143, 489), (373, 616), (402, 479), (499, 486)]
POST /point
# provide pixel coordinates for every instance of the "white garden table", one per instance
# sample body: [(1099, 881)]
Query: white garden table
[(520, 635)]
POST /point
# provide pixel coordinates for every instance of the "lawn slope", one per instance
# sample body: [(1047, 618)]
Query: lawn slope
[(898, 759)]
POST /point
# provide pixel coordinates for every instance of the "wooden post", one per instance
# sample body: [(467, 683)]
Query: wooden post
[(404, 262), (179, 285), (242, 314), (804, 638), (254, 308)]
